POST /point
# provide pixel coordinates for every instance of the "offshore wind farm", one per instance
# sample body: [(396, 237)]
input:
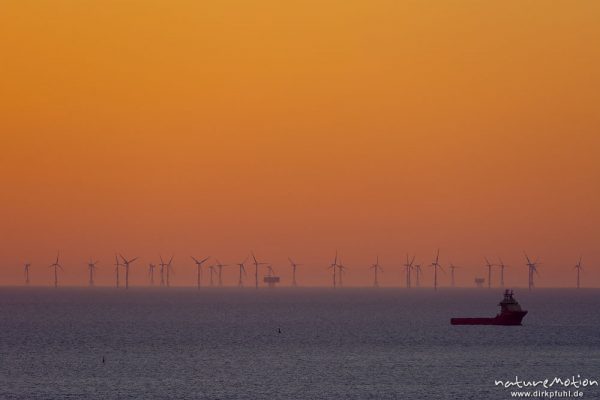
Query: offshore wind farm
[(409, 271)]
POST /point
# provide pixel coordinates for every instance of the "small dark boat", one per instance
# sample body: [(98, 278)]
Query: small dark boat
[(510, 314)]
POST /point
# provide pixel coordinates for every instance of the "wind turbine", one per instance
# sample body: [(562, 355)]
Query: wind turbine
[(117, 265), (489, 267), (532, 270), (256, 264), (56, 266), (199, 268), (212, 272), (341, 269), (26, 270), (169, 270), (220, 266), (452, 268), (151, 268), (294, 265), (92, 268), (579, 268), (242, 272), (165, 267), (502, 266), (408, 266), (418, 270), (126, 263), (435, 266), (376, 268), (333, 266)]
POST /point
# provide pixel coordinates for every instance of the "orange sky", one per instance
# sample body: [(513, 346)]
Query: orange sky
[(298, 127)]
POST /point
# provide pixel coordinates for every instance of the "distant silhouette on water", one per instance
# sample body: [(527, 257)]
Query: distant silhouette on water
[(279, 330)]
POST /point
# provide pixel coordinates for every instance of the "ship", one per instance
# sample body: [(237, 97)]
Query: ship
[(511, 313)]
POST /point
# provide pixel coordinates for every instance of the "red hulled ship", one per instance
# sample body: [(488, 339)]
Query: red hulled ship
[(510, 314)]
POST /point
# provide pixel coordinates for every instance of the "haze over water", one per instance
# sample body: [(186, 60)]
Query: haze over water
[(347, 343)]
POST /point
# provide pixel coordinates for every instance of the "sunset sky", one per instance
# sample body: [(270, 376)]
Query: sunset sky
[(295, 128)]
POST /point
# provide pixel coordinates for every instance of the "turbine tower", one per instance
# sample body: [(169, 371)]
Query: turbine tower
[(489, 267), (151, 268), (333, 266), (117, 265), (220, 266), (408, 266), (199, 269), (294, 265), (452, 268), (92, 269), (56, 267), (256, 265), (26, 270), (502, 266), (579, 268), (532, 267), (126, 263), (435, 266), (242, 272), (376, 268)]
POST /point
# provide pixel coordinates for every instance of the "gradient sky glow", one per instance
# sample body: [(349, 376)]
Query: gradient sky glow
[(297, 128)]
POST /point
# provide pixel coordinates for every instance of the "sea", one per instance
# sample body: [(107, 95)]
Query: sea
[(294, 343)]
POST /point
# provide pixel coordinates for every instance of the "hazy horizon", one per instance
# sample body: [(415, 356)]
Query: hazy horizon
[(308, 275)]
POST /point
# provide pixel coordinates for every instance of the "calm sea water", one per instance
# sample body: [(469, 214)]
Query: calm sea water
[(342, 344)]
